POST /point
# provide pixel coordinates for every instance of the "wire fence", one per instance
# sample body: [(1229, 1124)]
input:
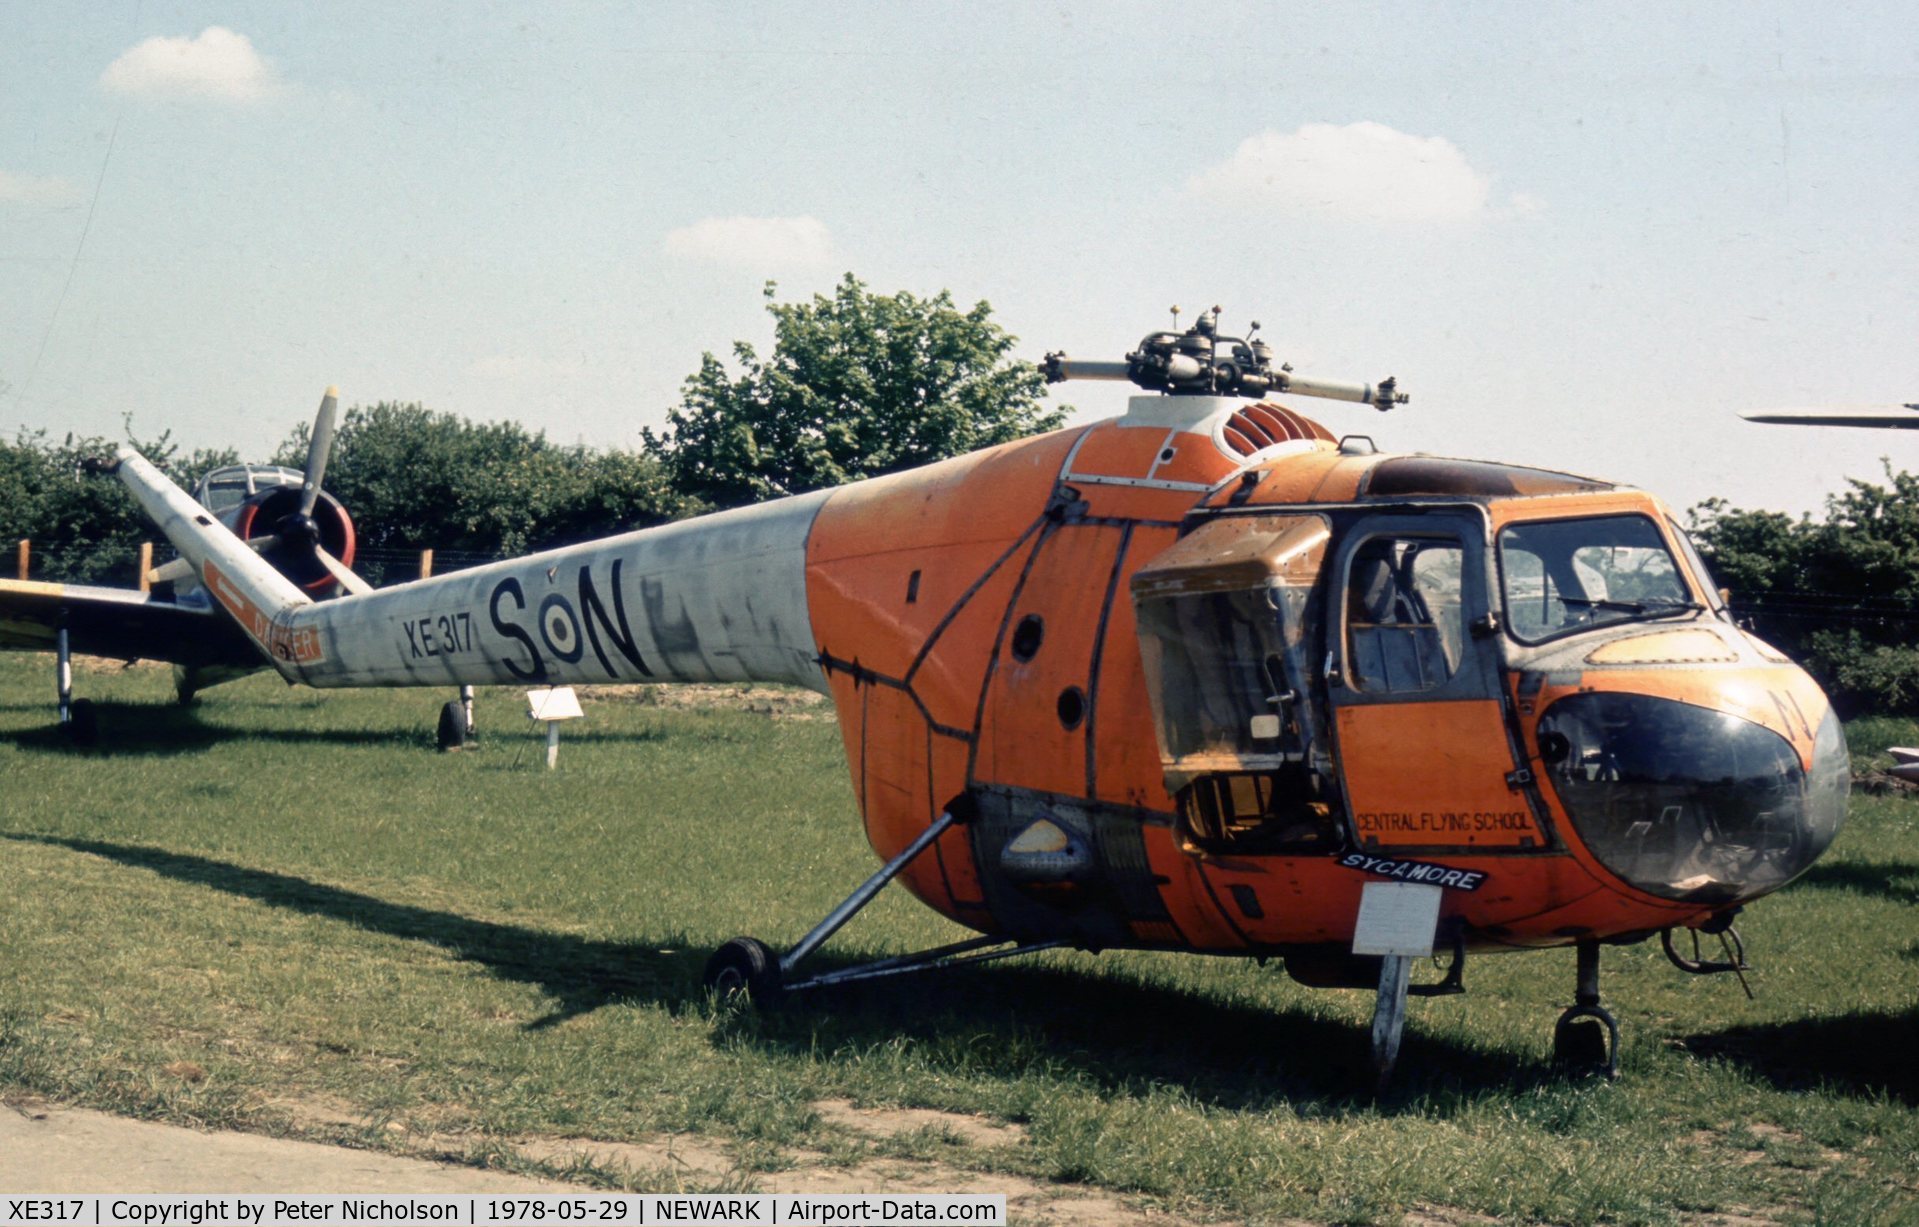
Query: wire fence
[(59, 560)]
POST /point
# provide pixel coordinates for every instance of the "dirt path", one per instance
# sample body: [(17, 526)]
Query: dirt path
[(47, 1149)]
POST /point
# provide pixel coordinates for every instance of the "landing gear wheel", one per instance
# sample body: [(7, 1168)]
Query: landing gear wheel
[(452, 734), (83, 723), (744, 967), (1586, 1040)]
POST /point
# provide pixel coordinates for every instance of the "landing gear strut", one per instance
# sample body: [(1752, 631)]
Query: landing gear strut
[(1586, 1037), (1389, 1017), (747, 967), (456, 722), (77, 719)]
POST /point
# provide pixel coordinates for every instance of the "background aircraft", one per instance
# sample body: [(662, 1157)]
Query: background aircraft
[(1201, 677), (1888, 417), (283, 514)]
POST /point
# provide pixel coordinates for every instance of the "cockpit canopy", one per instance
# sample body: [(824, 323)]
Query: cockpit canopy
[(224, 489)]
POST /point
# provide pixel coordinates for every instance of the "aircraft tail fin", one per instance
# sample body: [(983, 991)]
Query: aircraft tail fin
[(245, 585)]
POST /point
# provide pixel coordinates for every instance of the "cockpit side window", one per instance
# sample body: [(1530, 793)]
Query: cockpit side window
[(1701, 573), (1405, 616), (1562, 576)]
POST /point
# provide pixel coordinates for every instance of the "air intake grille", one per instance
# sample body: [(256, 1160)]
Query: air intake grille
[(1258, 427)]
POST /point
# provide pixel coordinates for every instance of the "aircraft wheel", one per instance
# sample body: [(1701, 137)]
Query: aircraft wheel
[(83, 723), (1587, 1041), (744, 967), (452, 734)]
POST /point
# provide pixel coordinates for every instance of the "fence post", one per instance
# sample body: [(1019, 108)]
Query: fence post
[(26, 556), (146, 565), (426, 564)]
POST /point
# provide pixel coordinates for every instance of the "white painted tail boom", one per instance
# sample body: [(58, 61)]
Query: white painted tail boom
[(719, 598)]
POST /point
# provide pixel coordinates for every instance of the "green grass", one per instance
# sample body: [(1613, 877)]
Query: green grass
[(291, 893)]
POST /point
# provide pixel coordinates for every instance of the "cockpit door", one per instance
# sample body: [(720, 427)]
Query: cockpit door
[(1229, 633), (1413, 682)]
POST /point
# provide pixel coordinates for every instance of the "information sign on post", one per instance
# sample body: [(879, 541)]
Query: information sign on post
[(549, 706)]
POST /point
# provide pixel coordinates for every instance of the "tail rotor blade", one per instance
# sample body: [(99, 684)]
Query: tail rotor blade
[(340, 571), (317, 449)]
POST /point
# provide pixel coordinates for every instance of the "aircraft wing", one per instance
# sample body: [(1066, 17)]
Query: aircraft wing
[(1899, 417), (120, 623)]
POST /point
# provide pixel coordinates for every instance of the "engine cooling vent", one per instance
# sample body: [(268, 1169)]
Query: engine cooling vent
[(1255, 428)]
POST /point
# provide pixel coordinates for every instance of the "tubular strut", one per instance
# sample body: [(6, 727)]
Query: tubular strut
[(1729, 941), (971, 950), (925, 960), (63, 675)]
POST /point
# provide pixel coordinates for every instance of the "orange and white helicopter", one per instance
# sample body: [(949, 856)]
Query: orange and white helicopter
[(1201, 677)]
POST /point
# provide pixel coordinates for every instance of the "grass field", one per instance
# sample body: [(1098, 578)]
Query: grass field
[(282, 911)]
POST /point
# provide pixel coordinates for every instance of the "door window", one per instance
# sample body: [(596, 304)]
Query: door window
[(1405, 613)]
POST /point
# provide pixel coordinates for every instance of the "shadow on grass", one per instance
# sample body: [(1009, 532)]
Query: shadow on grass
[(581, 974), (1869, 1053), (1882, 878), (1123, 1038), (161, 730)]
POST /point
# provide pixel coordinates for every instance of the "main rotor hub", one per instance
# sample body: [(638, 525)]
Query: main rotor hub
[(1201, 362)]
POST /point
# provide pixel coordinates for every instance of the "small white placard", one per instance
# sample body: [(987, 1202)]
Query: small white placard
[(1397, 918), (557, 703), (1263, 728)]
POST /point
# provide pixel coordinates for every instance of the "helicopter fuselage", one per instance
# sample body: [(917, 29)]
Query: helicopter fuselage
[(1190, 678), (1197, 699)]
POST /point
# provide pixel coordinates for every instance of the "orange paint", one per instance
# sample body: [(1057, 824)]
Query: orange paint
[(981, 640)]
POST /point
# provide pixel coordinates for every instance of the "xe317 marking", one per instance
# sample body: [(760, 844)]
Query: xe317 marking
[(441, 636), (563, 631)]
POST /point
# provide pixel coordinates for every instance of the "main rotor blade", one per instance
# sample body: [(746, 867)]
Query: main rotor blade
[(339, 570), (317, 449)]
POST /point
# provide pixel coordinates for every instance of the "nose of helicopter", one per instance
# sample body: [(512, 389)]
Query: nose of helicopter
[(1693, 800)]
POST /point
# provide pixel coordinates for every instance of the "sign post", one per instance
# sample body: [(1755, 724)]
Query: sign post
[(1397, 920), (550, 706)]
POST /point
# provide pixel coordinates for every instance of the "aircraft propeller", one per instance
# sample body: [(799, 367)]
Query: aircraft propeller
[(296, 534)]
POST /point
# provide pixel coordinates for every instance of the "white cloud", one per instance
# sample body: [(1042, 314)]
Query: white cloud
[(219, 64), (754, 243), (1364, 171), (27, 189)]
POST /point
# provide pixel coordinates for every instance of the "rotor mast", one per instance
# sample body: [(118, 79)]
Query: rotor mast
[(1201, 362)]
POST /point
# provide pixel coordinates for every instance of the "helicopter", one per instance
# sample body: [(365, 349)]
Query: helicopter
[(1201, 677)]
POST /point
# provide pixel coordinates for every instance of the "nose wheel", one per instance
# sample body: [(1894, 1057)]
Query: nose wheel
[(1586, 1037)]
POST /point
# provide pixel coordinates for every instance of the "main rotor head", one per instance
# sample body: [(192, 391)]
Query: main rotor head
[(1201, 362)]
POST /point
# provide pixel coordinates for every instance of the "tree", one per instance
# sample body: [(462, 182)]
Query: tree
[(84, 528), (415, 479), (858, 385), (1840, 596)]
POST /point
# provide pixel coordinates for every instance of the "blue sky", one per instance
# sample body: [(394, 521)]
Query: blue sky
[(1583, 236)]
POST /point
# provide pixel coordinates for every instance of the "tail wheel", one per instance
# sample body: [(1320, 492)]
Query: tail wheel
[(745, 968)]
